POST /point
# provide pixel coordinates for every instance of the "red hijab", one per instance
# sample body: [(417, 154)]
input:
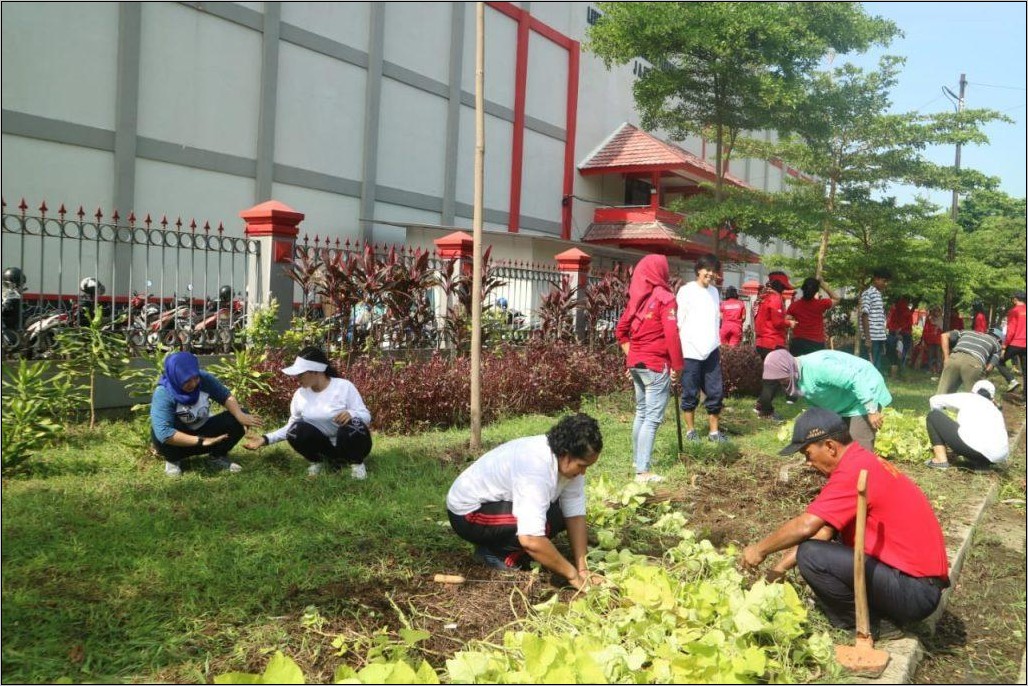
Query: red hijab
[(650, 278)]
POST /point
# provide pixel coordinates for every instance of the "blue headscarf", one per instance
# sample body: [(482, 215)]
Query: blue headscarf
[(179, 368)]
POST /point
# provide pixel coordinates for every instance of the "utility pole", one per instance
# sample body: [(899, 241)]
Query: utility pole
[(951, 251), (478, 213)]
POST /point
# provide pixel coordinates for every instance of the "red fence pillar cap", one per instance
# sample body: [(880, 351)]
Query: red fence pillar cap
[(573, 260), (272, 218), (457, 244)]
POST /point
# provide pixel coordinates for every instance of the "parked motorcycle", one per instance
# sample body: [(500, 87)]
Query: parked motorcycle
[(13, 285), (217, 330)]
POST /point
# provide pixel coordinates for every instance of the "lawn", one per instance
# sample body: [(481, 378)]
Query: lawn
[(113, 572)]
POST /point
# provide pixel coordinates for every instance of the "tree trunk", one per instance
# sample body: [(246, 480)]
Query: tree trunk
[(476, 271), (822, 252), (92, 400), (719, 183)]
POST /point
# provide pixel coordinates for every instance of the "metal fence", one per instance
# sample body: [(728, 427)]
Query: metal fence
[(156, 281)]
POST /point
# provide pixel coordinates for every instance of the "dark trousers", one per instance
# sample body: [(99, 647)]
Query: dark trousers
[(942, 430), (802, 346), (494, 526), (894, 338), (1013, 353), (703, 375), (768, 389), (353, 443), (217, 425), (827, 566)]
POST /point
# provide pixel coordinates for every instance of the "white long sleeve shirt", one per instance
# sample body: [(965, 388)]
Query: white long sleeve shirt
[(523, 472), (699, 320), (319, 408), (980, 423)]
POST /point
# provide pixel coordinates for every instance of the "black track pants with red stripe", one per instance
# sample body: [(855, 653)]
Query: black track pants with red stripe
[(494, 526)]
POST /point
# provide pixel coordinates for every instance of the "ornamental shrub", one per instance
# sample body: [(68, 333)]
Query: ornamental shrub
[(410, 395), (741, 370)]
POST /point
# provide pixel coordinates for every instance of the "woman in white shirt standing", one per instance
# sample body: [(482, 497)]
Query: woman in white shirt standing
[(978, 433), (328, 421)]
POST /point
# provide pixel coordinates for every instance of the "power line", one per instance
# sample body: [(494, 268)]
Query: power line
[(987, 85)]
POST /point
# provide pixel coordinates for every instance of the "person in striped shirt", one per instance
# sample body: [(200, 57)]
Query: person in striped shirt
[(872, 317), (967, 357)]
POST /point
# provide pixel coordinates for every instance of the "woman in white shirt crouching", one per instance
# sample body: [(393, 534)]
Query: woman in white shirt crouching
[(328, 421), (978, 434)]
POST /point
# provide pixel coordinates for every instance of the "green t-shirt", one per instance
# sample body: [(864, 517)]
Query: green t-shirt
[(843, 383)]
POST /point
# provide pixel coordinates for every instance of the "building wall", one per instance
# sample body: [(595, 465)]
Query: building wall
[(349, 112)]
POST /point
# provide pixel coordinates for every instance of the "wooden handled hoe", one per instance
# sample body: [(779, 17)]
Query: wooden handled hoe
[(862, 658)]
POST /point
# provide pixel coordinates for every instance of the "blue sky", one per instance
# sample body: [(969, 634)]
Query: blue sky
[(985, 41)]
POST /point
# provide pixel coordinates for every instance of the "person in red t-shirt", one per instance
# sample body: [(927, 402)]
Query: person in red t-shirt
[(1014, 344), (900, 326), (931, 339), (648, 334), (980, 321), (771, 326), (808, 334), (733, 314), (906, 561), (956, 322)]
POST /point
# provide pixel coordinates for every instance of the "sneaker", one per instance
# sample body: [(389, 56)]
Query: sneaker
[(314, 469), (1014, 383), (887, 631), (359, 471), (490, 559), (691, 435), (648, 477), (717, 437), (936, 465), (172, 469), (223, 463), (774, 417)]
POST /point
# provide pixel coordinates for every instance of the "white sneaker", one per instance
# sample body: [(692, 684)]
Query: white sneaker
[(1014, 383), (314, 469), (648, 477), (359, 471), (223, 463), (172, 469)]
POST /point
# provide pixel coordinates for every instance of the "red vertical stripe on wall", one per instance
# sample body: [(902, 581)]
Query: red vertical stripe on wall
[(518, 142), (570, 126)]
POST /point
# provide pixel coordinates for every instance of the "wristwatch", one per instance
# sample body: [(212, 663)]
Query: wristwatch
[(199, 440)]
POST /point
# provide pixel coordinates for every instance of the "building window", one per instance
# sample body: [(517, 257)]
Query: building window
[(592, 15)]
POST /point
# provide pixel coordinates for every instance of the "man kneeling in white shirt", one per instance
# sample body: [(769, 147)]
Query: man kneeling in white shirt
[(518, 496), (978, 434)]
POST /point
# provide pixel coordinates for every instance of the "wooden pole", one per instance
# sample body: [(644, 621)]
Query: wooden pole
[(476, 268)]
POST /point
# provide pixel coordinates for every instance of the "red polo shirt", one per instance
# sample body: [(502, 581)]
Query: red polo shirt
[(810, 318), (902, 530)]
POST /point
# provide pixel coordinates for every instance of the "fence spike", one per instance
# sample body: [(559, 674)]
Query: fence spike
[(115, 217), (132, 218), (99, 215), (164, 221), (61, 211), (148, 221), (42, 208), (23, 206), (178, 223), (192, 226), (337, 243), (346, 245), (206, 226), (221, 228)]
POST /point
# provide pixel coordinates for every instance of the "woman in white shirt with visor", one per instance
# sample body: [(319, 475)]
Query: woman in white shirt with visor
[(328, 422), (978, 434)]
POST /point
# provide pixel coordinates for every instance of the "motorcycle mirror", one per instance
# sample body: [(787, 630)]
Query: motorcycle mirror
[(189, 287), (149, 283)]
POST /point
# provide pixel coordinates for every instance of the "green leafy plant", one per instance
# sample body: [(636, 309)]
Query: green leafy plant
[(91, 352), (243, 374), (27, 422), (903, 437), (261, 330)]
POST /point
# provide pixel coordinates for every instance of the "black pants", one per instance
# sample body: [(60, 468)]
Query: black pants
[(827, 566), (217, 425), (802, 346), (1013, 353), (768, 389), (494, 526), (353, 443), (942, 430)]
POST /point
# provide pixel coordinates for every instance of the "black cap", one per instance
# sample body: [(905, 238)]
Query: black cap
[(816, 424), (1019, 295)]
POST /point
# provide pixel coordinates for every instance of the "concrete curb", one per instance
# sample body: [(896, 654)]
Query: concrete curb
[(906, 653)]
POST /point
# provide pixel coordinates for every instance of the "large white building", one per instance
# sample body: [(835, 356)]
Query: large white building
[(358, 114)]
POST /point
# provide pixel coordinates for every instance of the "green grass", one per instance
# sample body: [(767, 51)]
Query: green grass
[(113, 572)]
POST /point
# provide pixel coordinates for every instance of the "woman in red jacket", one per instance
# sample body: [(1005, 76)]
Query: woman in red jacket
[(648, 334), (733, 314), (931, 338), (980, 322), (771, 327)]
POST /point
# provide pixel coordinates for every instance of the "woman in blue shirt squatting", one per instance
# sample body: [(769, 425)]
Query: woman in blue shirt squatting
[(329, 424), (181, 424)]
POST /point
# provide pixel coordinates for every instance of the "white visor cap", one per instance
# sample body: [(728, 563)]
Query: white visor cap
[(301, 365)]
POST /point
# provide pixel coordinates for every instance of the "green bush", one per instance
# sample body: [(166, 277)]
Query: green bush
[(28, 426)]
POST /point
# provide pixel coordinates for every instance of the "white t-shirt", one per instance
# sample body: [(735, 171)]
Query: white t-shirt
[(699, 320), (319, 408), (524, 472), (981, 424)]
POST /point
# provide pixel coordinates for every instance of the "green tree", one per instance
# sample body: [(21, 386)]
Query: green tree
[(722, 68), (990, 249)]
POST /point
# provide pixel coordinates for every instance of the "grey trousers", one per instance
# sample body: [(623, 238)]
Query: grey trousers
[(861, 432)]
